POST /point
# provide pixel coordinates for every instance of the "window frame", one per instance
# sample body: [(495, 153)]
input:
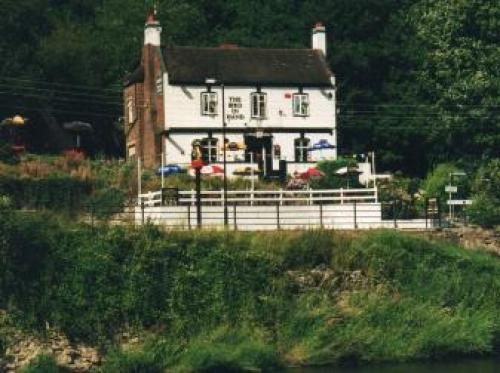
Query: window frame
[(209, 147), (204, 103), (300, 146), (258, 111), (300, 98)]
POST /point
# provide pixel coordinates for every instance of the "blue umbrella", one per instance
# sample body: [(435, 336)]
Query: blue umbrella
[(170, 169), (320, 145)]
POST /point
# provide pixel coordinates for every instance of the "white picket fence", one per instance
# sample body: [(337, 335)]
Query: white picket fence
[(267, 197)]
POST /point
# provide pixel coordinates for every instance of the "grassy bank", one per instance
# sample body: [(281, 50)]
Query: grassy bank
[(248, 300)]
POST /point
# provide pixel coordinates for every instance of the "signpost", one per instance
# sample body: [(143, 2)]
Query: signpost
[(452, 189)]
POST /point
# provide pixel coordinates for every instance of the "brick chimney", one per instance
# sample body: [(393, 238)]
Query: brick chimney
[(150, 140), (152, 30), (319, 37)]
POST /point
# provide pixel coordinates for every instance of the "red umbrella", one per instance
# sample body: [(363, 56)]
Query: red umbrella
[(212, 170), (311, 173)]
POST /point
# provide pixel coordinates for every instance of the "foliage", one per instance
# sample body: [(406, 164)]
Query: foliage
[(417, 80), (485, 209), (247, 300), (129, 362), (332, 180), (436, 181), (43, 364)]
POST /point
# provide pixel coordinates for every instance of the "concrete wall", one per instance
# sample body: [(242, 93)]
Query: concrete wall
[(255, 218)]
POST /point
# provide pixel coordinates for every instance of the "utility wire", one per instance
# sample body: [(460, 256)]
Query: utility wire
[(107, 98), (76, 113), (62, 99), (117, 89)]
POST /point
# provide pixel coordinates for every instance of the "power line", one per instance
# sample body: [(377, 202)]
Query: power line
[(417, 105), (118, 89), (66, 93), (61, 111), (62, 99)]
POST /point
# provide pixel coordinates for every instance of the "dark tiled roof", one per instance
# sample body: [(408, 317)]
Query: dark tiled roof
[(137, 76), (247, 66)]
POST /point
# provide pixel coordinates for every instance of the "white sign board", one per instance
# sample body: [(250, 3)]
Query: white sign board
[(450, 189), (459, 202)]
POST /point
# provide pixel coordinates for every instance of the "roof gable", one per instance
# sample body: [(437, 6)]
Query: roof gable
[(247, 66)]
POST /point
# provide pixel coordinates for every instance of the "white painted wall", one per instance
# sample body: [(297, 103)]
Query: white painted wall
[(182, 108)]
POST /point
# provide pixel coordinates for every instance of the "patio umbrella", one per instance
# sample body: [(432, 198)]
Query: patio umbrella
[(170, 169), (348, 171), (212, 170), (311, 173), (320, 145), (78, 128)]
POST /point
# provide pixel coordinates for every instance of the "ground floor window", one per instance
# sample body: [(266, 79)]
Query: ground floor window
[(209, 149), (301, 144)]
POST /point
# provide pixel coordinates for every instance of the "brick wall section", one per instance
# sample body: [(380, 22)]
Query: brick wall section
[(133, 130), (146, 132)]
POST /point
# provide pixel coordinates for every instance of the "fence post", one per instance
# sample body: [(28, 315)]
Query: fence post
[(394, 214), (142, 212), (281, 196), (189, 216), (321, 214), (341, 196), (278, 216), (355, 206), (234, 217), (426, 213)]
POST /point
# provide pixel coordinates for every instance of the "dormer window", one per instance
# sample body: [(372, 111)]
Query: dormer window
[(301, 104), (258, 105), (208, 103)]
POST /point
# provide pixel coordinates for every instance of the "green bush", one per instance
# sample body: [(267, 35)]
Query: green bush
[(242, 300), (484, 211), (106, 202), (309, 249), (130, 362), (332, 180), (436, 181), (43, 364)]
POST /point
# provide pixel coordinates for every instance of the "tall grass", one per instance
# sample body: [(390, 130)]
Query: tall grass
[(219, 300)]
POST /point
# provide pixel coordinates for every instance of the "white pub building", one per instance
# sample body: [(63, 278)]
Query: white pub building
[(278, 105)]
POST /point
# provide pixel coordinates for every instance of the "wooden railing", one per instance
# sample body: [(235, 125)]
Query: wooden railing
[(266, 197)]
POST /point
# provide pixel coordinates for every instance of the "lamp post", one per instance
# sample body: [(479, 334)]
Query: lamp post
[(224, 161)]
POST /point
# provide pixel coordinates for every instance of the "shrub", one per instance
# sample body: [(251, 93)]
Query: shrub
[(119, 361), (436, 181), (485, 211), (332, 180), (43, 364), (309, 250)]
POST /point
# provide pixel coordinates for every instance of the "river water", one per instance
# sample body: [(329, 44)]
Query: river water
[(490, 365)]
